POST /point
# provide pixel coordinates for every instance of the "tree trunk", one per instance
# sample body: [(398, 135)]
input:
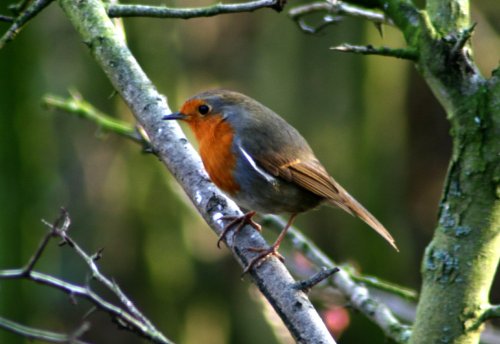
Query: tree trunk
[(460, 263)]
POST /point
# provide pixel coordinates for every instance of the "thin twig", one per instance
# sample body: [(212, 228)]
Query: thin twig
[(19, 7), (122, 10), (394, 289), (47, 336), (129, 318), (31, 11), (462, 39), (78, 106), (407, 54), (336, 8), (111, 285), (6, 19), (491, 312), (323, 274)]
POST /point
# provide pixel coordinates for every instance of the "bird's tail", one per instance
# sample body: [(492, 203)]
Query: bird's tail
[(350, 205)]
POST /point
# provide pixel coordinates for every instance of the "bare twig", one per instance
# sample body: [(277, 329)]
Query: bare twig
[(327, 20), (462, 39), (128, 317), (19, 7), (78, 106), (375, 282), (47, 336), (336, 8), (122, 10), (6, 19), (320, 276), (31, 11), (408, 54), (490, 312)]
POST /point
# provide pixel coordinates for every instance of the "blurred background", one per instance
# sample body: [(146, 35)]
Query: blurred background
[(371, 120)]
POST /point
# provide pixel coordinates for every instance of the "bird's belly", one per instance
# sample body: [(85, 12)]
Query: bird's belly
[(276, 197)]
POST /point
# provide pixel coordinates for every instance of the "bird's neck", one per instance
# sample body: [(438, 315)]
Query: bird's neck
[(215, 139)]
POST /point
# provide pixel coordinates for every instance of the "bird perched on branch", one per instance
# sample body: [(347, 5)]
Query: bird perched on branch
[(262, 163)]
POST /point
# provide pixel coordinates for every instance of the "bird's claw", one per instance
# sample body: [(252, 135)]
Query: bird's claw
[(264, 253), (245, 219)]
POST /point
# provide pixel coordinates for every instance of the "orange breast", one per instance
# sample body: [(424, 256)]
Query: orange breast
[(215, 138)]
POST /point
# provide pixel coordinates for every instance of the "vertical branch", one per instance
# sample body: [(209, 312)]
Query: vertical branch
[(459, 264)]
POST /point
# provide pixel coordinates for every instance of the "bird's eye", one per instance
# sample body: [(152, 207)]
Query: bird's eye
[(203, 109)]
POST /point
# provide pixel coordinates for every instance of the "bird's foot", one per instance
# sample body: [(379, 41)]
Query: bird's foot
[(245, 219), (264, 253)]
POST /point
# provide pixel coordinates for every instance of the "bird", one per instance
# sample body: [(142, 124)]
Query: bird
[(263, 164)]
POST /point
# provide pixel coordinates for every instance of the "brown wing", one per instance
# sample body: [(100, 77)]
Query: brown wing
[(312, 176)]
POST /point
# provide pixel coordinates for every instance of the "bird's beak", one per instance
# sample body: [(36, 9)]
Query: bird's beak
[(175, 115)]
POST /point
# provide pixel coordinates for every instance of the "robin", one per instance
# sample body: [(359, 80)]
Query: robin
[(262, 163)]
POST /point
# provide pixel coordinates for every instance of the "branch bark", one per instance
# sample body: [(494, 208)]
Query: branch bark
[(460, 263), (97, 31), (124, 10)]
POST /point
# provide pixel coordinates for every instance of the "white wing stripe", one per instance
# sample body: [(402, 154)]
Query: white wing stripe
[(260, 171)]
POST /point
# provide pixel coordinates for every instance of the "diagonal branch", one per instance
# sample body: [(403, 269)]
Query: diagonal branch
[(122, 10), (128, 317), (358, 295), (47, 336), (274, 281), (29, 13)]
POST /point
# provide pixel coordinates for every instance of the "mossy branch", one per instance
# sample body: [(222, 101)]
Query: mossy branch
[(76, 105), (407, 54)]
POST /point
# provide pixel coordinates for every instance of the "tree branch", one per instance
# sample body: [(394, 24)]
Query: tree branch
[(274, 281), (338, 8), (31, 11), (47, 336), (358, 295), (129, 318), (406, 16), (77, 106), (375, 282), (121, 10), (407, 54), (491, 312), (6, 19)]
